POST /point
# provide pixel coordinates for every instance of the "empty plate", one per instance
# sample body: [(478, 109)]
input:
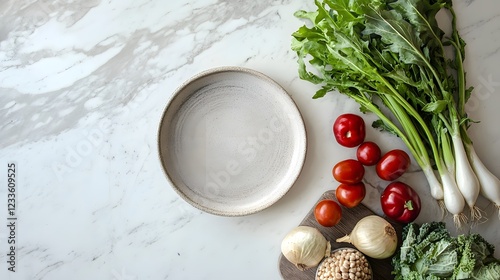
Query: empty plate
[(231, 141)]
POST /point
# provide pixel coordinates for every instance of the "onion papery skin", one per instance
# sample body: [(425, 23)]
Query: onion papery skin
[(305, 247), (374, 237)]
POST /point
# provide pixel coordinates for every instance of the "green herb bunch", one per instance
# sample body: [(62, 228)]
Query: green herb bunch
[(395, 61)]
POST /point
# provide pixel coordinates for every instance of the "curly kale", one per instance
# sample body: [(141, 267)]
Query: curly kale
[(429, 252), (476, 254)]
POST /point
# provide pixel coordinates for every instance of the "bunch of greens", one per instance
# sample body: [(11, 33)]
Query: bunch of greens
[(429, 252), (393, 54)]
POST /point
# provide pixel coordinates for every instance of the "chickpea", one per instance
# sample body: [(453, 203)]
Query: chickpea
[(345, 263)]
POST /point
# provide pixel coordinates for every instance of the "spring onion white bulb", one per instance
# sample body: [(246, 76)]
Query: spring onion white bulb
[(374, 237), (435, 187), (305, 247), (466, 179), (453, 199), (490, 184)]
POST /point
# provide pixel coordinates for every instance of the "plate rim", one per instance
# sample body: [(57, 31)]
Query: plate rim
[(281, 91)]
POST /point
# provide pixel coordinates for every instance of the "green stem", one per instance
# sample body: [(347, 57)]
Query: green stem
[(411, 110), (459, 63), (449, 159), (412, 142), (461, 81), (422, 161), (407, 126)]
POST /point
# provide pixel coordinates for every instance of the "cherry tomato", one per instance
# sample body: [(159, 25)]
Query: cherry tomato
[(349, 130), (400, 202), (392, 165), (350, 195), (368, 153), (327, 213), (348, 171)]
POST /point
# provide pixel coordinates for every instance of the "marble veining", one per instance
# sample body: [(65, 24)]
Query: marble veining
[(82, 88)]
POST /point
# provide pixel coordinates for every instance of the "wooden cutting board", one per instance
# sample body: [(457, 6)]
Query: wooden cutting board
[(350, 216)]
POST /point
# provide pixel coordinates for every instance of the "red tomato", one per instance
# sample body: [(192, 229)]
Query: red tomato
[(393, 164), (368, 153), (327, 213), (350, 195), (349, 130), (348, 171), (400, 202)]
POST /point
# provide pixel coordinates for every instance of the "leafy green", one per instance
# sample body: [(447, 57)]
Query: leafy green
[(348, 56), (390, 56), (430, 252)]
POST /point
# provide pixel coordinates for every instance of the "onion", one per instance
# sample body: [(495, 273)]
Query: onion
[(305, 247), (374, 237)]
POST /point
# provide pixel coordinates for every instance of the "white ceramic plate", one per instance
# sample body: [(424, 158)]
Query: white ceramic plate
[(231, 141)]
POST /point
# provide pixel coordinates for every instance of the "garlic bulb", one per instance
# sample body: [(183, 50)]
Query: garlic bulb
[(374, 237), (305, 247)]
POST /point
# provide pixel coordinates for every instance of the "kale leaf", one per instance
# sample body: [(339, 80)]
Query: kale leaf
[(430, 252)]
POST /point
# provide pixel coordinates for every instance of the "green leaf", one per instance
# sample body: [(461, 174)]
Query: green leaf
[(487, 272), (468, 93), (397, 33), (342, 8), (392, 51), (435, 107), (380, 125), (430, 252), (422, 15), (306, 15)]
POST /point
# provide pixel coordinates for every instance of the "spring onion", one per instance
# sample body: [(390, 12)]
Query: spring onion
[(391, 57)]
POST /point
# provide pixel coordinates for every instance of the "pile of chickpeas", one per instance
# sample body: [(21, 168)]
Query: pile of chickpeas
[(344, 263)]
